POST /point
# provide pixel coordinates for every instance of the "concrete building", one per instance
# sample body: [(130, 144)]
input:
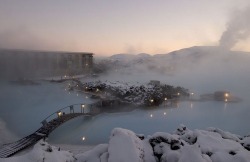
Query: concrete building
[(28, 64)]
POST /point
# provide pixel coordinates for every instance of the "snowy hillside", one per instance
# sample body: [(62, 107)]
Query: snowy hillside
[(189, 58)]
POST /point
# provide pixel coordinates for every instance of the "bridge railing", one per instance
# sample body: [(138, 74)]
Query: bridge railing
[(72, 109)]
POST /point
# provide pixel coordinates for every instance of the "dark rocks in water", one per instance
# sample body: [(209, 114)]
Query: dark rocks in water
[(108, 103), (141, 95), (95, 97)]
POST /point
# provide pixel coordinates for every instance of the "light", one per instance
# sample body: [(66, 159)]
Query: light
[(151, 115), (83, 138), (192, 94), (165, 113), (87, 64), (97, 90), (165, 98), (86, 97), (86, 87), (77, 85), (65, 76), (59, 113), (151, 100), (83, 106), (226, 100), (226, 94), (178, 94)]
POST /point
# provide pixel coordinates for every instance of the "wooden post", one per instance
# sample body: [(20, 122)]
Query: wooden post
[(71, 109), (44, 122)]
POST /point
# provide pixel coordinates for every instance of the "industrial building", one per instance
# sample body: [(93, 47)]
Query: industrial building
[(29, 64)]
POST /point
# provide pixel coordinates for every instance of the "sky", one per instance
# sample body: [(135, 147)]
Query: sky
[(107, 27)]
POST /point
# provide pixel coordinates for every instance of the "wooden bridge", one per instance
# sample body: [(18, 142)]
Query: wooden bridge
[(48, 125)]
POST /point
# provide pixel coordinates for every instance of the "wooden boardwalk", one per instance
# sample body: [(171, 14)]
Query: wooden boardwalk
[(10, 149)]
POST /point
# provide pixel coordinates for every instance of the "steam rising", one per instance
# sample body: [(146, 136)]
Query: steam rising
[(238, 28)]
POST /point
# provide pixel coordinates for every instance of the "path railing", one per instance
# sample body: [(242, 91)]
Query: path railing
[(50, 123), (72, 109)]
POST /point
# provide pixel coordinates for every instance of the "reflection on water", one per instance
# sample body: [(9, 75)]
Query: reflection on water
[(33, 103), (191, 105), (195, 115), (225, 105)]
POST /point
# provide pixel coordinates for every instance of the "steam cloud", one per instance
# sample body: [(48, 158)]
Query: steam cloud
[(238, 28)]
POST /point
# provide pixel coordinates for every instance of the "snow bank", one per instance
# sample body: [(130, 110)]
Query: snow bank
[(41, 152)]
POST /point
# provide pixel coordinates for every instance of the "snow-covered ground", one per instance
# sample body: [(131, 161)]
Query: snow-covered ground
[(210, 145)]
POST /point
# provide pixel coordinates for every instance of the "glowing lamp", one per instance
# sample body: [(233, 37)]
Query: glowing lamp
[(59, 113)]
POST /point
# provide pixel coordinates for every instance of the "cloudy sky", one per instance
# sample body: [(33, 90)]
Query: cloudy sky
[(107, 27)]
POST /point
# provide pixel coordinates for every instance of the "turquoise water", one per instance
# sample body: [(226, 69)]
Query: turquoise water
[(231, 117), (24, 107)]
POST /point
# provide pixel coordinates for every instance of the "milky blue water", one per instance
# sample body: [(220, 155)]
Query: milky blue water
[(24, 107), (233, 117)]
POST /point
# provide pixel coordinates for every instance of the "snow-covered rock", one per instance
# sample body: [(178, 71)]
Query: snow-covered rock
[(246, 143), (125, 146), (184, 145), (211, 145)]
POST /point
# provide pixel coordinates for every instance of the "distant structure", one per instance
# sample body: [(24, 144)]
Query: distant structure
[(28, 64), (221, 95), (155, 82)]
